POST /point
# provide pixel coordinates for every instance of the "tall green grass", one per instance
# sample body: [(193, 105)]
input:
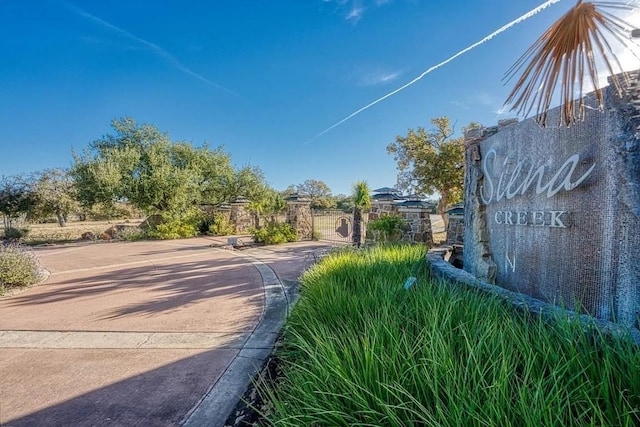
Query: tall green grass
[(359, 349)]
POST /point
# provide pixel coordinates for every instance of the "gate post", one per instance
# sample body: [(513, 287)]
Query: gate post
[(240, 216), (417, 217), (455, 228), (299, 216)]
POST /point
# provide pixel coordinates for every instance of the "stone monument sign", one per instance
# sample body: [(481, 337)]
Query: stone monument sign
[(555, 212)]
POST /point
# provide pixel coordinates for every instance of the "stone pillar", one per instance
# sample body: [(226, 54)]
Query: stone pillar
[(455, 227), (225, 211), (299, 216), (240, 216), (477, 254), (418, 225)]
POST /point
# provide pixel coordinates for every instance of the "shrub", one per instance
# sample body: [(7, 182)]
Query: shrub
[(387, 228), (131, 234), (13, 233), (219, 225), (177, 225), (18, 267), (174, 229), (274, 233), (205, 224)]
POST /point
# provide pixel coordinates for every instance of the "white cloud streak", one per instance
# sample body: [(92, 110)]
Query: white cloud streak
[(375, 78), (356, 8), (500, 30), (355, 15), (151, 46)]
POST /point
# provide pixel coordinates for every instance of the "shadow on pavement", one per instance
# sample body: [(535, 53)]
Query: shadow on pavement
[(159, 397), (176, 286)]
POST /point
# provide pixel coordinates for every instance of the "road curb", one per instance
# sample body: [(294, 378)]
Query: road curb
[(222, 397)]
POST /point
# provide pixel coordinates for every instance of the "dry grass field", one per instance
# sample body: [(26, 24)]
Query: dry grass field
[(52, 233)]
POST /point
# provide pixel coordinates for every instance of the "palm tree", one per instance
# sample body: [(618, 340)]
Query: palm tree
[(564, 56), (362, 201)]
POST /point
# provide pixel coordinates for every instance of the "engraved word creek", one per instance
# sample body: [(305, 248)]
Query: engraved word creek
[(519, 180), (554, 219)]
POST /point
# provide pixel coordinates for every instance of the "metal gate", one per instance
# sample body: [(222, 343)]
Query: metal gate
[(334, 225)]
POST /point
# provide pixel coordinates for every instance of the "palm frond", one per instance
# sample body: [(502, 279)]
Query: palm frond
[(361, 195), (565, 55)]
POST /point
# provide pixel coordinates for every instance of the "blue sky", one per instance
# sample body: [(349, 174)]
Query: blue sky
[(261, 78)]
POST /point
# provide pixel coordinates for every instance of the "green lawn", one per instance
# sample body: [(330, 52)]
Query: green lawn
[(359, 349)]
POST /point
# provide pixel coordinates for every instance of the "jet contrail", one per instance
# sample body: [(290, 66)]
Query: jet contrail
[(154, 47), (435, 67)]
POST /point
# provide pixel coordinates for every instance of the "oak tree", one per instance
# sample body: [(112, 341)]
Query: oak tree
[(431, 161)]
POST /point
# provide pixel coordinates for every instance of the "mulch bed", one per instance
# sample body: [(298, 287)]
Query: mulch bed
[(250, 409)]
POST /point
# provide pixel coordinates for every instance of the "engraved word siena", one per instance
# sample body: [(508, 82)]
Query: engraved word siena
[(519, 180)]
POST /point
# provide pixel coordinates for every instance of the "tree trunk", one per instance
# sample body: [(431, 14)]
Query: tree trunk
[(442, 208), (357, 227), (61, 219)]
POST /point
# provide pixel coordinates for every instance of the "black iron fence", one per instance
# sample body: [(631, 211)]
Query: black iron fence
[(335, 225)]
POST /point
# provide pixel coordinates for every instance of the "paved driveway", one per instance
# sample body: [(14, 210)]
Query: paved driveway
[(130, 333)]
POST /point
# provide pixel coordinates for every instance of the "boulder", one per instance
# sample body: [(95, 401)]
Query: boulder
[(88, 235)]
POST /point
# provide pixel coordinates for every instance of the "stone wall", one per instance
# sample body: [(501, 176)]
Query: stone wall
[(418, 225), (555, 212)]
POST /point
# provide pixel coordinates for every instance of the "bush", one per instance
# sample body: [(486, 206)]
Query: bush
[(387, 228), (18, 267), (274, 233), (13, 233), (177, 226), (175, 229), (218, 225)]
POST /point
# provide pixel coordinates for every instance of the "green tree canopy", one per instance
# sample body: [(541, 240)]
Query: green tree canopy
[(248, 182), (431, 161), (16, 198), (54, 192), (318, 192), (344, 202), (143, 166)]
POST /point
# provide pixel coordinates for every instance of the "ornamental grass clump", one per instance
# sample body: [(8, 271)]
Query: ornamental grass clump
[(18, 267), (359, 349)]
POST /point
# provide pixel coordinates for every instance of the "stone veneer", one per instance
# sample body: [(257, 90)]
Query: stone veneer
[(240, 217), (382, 207), (555, 212), (299, 217), (418, 225), (455, 229)]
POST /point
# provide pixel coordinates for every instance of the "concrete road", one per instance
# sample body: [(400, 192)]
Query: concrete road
[(138, 333)]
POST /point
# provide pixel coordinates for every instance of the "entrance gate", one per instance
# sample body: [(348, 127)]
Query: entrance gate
[(334, 225)]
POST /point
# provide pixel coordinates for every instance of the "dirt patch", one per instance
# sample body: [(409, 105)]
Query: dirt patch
[(251, 409), (73, 231)]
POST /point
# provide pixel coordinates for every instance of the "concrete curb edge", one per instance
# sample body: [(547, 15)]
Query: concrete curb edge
[(222, 397)]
